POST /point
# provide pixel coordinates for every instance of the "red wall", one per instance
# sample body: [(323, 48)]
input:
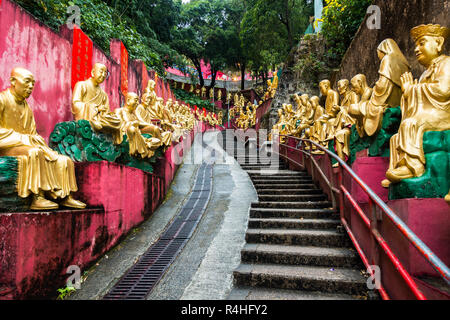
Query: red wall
[(26, 42)]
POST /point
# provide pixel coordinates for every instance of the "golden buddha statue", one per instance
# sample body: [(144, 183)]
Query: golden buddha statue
[(387, 90), (42, 171), (145, 115), (304, 116), (332, 97), (211, 93), (182, 85), (228, 97), (219, 95), (348, 97), (131, 124), (425, 104), (90, 102), (197, 92), (203, 92), (362, 89), (191, 89)]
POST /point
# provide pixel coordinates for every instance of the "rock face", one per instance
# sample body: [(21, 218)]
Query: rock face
[(298, 78), (398, 17)]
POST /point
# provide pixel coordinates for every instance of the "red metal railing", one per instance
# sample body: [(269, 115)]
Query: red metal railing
[(339, 192)]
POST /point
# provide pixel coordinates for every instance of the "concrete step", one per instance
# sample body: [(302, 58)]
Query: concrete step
[(300, 255), (263, 192), (249, 293), (279, 177), (262, 213), (316, 238), (292, 198), (323, 279), (262, 186), (277, 180), (300, 224), (279, 174), (292, 205)]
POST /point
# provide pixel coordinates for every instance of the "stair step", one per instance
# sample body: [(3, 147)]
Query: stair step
[(292, 198), (292, 205), (323, 279), (249, 293), (291, 192), (317, 238), (284, 186), (301, 224), (276, 172), (279, 176), (300, 255), (293, 213), (287, 181)]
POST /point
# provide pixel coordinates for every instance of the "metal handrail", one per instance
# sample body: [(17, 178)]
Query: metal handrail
[(423, 249)]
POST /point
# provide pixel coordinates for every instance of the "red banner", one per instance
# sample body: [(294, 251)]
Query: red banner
[(123, 70), (81, 56)]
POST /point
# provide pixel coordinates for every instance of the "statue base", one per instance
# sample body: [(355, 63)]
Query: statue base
[(435, 182)]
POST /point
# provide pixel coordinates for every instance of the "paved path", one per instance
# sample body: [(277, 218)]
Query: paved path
[(203, 270)]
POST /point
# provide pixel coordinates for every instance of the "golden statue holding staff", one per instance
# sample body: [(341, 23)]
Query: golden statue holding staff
[(425, 104), (387, 91), (42, 171)]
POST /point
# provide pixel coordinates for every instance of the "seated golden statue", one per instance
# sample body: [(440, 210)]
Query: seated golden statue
[(425, 104), (203, 92), (348, 97), (90, 102), (362, 89), (131, 124), (387, 90), (145, 115), (42, 171)]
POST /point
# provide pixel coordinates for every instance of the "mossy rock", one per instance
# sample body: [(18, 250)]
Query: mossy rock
[(435, 182), (78, 141), (378, 144), (9, 200)]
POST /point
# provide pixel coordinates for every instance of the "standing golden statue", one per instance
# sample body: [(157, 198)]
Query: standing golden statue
[(425, 104), (387, 91), (203, 92), (42, 171), (219, 95)]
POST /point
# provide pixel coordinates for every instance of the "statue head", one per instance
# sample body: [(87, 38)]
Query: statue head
[(359, 84), (429, 41), (22, 83), (132, 100), (314, 101), (304, 99), (342, 86), (324, 86), (151, 84), (99, 73)]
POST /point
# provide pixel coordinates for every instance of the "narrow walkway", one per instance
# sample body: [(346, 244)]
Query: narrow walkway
[(295, 247), (204, 267)]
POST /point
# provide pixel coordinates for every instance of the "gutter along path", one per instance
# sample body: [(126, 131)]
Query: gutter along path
[(206, 213)]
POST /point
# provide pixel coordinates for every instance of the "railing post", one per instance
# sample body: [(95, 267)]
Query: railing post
[(341, 194), (375, 256)]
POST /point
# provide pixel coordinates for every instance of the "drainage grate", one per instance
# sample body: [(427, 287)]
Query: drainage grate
[(137, 283)]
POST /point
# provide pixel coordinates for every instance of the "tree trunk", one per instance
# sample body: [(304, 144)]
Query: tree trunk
[(213, 77), (198, 67), (243, 76)]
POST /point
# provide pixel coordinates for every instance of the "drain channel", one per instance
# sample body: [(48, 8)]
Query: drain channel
[(137, 283)]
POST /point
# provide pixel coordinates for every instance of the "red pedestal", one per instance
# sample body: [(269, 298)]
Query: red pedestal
[(372, 170)]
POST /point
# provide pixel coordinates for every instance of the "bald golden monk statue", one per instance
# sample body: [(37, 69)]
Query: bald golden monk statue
[(362, 89), (425, 104), (387, 91), (331, 95), (42, 171), (90, 102), (131, 124)]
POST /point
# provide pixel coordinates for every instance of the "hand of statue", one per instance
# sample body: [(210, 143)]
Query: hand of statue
[(407, 81)]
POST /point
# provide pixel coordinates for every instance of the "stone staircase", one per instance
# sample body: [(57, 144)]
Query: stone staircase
[(295, 247)]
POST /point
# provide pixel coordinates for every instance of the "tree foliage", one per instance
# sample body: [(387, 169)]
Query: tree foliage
[(341, 20)]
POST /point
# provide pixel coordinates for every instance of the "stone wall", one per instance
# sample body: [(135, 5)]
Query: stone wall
[(397, 19)]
